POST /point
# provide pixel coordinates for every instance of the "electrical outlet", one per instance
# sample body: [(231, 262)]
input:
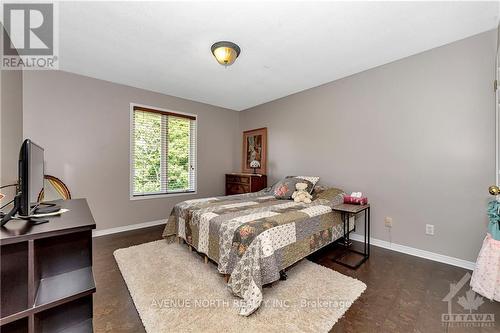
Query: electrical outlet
[(429, 229), (388, 222)]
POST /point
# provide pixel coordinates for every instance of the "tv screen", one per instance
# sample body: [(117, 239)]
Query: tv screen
[(31, 173), (36, 173)]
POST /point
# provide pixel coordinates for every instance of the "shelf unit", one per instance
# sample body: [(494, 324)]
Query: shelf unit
[(46, 279)]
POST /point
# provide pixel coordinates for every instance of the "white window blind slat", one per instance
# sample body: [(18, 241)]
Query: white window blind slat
[(163, 152)]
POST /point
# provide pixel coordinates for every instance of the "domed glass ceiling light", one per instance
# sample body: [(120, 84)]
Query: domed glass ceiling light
[(225, 52)]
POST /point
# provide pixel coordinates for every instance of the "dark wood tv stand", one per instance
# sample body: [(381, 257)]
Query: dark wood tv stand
[(46, 273)]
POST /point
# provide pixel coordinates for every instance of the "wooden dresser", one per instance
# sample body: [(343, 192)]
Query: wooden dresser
[(46, 273), (238, 183)]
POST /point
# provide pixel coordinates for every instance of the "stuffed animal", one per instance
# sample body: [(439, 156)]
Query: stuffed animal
[(301, 195)]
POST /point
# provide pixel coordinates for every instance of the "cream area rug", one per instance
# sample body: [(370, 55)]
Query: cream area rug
[(175, 291)]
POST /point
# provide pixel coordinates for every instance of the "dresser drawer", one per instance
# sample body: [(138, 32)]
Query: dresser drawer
[(244, 183), (237, 179), (237, 188)]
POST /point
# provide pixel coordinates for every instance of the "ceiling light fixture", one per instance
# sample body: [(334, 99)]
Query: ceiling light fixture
[(225, 52)]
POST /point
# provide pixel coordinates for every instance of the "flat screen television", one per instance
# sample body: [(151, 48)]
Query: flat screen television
[(31, 173), (30, 184)]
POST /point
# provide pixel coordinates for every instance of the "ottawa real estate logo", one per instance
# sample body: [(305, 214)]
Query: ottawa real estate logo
[(470, 302)]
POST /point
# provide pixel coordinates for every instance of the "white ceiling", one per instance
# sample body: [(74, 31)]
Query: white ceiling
[(286, 46)]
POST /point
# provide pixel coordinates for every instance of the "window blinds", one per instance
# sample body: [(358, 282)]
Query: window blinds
[(163, 152)]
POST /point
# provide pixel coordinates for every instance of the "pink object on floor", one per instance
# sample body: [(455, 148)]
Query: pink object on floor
[(486, 277)]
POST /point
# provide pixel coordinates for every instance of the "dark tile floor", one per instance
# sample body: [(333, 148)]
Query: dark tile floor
[(404, 293)]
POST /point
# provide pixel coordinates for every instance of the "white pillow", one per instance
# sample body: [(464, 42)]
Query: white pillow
[(312, 179)]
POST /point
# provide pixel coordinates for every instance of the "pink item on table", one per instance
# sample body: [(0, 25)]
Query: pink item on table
[(355, 201)]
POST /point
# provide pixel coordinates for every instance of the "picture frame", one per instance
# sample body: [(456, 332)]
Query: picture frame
[(254, 147)]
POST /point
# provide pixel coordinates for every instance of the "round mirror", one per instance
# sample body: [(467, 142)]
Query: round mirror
[(54, 189)]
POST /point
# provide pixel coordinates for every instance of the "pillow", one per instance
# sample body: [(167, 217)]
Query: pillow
[(285, 187), (312, 179), (334, 195), (318, 189)]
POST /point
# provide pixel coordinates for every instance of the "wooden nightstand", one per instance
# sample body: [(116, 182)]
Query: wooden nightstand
[(238, 183)]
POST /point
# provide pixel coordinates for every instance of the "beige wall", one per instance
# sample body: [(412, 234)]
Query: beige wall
[(416, 135), (11, 125), (83, 124), (11, 128)]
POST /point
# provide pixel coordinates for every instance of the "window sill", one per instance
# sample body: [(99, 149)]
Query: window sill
[(161, 196)]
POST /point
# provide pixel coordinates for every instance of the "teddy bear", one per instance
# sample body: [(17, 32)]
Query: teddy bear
[(301, 195)]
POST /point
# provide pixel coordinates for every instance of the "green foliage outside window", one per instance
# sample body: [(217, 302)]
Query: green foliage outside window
[(178, 153), (148, 153)]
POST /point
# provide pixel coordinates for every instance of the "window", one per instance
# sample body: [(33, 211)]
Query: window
[(163, 152)]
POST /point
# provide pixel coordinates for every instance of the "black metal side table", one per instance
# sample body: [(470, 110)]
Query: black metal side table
[(345, 258)]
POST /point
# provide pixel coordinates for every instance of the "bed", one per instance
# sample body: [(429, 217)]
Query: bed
[(254, 236)]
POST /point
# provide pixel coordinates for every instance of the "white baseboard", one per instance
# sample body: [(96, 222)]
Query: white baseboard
[(417, 252), (97, 233)]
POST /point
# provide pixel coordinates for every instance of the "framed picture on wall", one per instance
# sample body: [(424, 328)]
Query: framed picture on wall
[(255, 149)]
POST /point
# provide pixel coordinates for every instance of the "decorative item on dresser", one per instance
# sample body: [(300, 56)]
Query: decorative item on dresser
[(46, 272), (255, 165), (238, 183)]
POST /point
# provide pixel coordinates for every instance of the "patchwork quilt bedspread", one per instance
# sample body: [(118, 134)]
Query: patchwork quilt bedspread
[(253, 236)]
